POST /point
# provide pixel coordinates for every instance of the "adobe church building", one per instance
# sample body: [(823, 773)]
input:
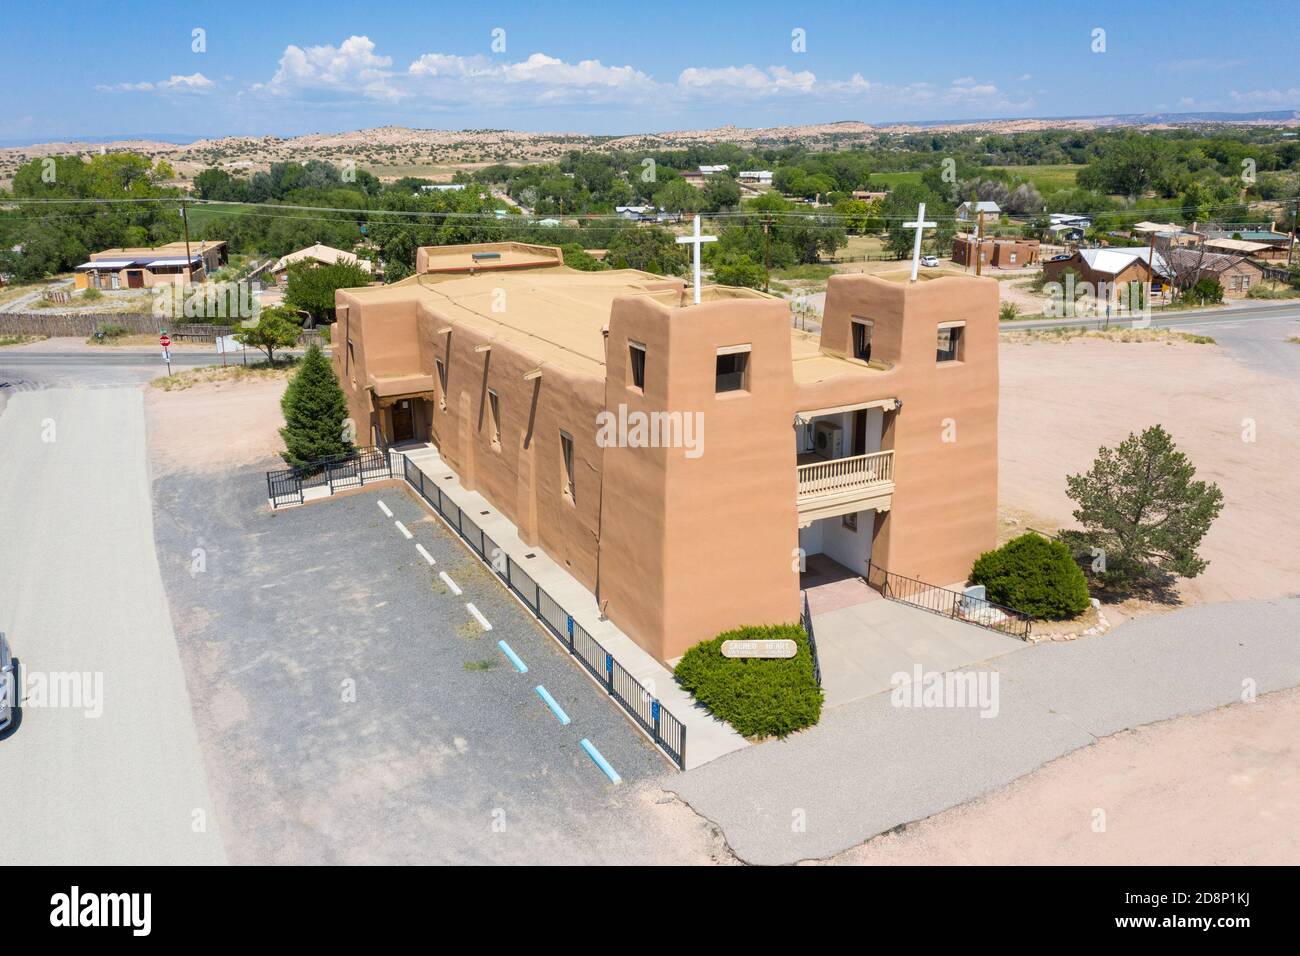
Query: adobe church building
[(674, 457)]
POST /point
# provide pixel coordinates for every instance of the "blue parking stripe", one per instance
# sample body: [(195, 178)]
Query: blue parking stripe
[(601, 762), (550, 702), (514, 658)]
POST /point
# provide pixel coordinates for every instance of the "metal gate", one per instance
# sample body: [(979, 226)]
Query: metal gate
[(284, 487)]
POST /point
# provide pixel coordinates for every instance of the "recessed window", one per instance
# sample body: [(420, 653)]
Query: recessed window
[(442, 384), (862, 339), (636, 363), (494, 418), (566, 453), (950, 343), (732, 369)]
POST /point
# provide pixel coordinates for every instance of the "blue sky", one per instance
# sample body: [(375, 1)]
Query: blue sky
[(74, 70)]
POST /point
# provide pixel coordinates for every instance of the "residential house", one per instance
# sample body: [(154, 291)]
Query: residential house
[(756, 177), (1109, 270), (998, 253), (317, 255), (1235, 273), (970, 211), (150, 266), (867, 195), (681, 460), (1264, 251)]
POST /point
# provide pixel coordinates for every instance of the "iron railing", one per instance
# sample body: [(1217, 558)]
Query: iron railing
[(285, 486), (949, 603), (812, 641), (641, 705)]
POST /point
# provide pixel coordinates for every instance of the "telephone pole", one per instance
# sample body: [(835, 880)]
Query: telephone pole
[(767, 254), (979, 245), (185, 221), (1295, 227)]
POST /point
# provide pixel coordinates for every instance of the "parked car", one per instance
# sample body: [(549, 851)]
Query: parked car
[(8, 684), (930, 262)]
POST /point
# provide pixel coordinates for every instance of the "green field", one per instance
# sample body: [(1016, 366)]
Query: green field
[(1048, 179), (893, 180)]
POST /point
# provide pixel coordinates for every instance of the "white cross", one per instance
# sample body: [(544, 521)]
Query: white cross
[(919, 226), (698, 240)]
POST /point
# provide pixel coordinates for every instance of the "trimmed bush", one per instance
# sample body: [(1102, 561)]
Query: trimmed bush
[(1035, 575), (759, 697)]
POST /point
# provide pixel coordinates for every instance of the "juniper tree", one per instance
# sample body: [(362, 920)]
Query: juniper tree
[(1140, 504), (315, 411)]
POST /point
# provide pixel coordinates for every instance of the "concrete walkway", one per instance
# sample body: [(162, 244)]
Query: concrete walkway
[(870, 766), (862, 647), (707, 738)]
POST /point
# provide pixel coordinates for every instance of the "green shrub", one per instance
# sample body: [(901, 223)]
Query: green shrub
[(110, 330), (759, 697), (91, 294), (1035, 575)]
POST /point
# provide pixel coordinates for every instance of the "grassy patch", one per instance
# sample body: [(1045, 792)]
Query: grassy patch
[(215, 373), (894, 180), (484, 665), (807, 271), (20, 339), (1047, 178), (469, 629), (760, 697), (1168, 336), (1294, 340)]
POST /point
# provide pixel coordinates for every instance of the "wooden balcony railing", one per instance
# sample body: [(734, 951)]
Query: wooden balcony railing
[(840, 475)]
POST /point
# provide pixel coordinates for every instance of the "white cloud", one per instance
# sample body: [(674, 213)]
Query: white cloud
[(1279, 98), (351, 67), (176, 83), (747, 78)]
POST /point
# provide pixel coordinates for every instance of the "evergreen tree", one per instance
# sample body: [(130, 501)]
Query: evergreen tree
[(315, 411)]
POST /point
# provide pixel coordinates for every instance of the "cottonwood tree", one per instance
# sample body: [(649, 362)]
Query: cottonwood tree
[(311, 287), (315, 409), (1141, 505), (275, 329)]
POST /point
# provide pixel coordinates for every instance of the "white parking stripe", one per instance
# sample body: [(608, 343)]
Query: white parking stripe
[(402, 528), (478, 616), (425, 554), (446, 579), (385, 509)]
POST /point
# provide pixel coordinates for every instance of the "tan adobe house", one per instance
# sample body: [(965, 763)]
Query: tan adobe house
[(150, 266), (319, 255), (1115, 268), (676, 457), (1236, 274), (998, 253)]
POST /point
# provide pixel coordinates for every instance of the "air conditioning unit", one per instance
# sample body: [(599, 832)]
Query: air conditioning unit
[(828, 440)]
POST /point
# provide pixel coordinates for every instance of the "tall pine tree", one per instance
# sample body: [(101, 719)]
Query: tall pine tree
[(315, 410)]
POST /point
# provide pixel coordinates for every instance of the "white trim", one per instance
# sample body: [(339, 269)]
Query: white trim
[(953, 325), (734, 349)]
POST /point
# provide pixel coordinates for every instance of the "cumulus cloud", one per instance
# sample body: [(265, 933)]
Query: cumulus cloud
[(1271, 97), (748, 78), (176, 83), (351, 67)]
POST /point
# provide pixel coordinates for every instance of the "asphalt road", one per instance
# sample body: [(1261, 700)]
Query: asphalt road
[(351, 710), (113, 774), (893, 765)]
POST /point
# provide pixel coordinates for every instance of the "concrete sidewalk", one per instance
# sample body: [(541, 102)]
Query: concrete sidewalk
[(707, 738), (862, 646), (870, 766)]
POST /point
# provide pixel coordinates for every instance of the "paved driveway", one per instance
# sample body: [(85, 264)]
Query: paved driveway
[(870, 766), (352, 711), (80, 594)]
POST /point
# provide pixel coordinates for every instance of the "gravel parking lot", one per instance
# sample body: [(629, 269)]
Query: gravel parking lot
[(352, 710)]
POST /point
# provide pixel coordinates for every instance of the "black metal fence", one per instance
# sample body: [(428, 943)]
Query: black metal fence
[(641, 705), (286, 486), (812, 641), (949, 603)]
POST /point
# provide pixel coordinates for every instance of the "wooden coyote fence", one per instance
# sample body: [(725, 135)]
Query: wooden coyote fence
[(79, 324)]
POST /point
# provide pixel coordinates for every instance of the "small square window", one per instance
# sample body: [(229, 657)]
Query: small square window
[(732, 370), (494, 419), (950, 344), (636, 361), (566, 453), (862, 340)]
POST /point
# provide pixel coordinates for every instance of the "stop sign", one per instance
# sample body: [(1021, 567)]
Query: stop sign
[(164, 340)]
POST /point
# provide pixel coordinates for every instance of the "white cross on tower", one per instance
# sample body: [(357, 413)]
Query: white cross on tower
[(920, 225), (698, 240)]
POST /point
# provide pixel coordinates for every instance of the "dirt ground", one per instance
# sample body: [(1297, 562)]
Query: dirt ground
[(215, 426), (1216, 789), (1063, 401)]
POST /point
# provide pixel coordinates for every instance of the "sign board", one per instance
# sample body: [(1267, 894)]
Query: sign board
[(778, 648), (165, 340), (227, 343)]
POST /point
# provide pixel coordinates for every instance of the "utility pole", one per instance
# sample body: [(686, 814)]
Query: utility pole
[(1295, 227), (1151, 267), (767, 254), (185, 221), (979, 245)]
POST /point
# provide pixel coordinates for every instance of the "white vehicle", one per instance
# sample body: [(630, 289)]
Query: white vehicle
[(8, 685), (930, 262)]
